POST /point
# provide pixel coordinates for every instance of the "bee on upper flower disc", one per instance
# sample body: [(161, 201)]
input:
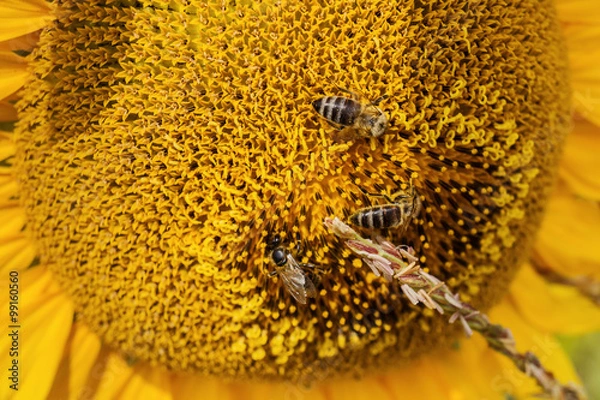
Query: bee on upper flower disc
[(402, 208), (352, 117), (295, 280)]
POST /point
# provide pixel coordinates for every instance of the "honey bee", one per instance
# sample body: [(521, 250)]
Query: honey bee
[(352, 117), (295, 280), (402, 207)]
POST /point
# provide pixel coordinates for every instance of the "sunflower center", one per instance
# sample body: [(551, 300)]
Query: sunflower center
[(164, 145)]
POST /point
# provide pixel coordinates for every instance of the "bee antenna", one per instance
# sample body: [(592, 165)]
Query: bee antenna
[(350, 92), (300, 246), (380, 99), (274, 241), (375, 194)]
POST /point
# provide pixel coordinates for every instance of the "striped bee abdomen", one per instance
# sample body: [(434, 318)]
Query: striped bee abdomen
[(340, 110), (378, 217)]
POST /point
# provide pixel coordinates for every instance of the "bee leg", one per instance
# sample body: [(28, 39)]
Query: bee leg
[(351, 93), (336, 126), (314, 272), (315, 268), (380, 99), (273, 273), (300, 244), (344, 135), (401, 194), (385, 196)]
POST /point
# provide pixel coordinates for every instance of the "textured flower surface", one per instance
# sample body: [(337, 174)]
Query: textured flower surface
[(161, 145)]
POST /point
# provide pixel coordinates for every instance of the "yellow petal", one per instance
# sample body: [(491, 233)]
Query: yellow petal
[(26, 42), (147, 383), (19, 17), (568, 239), (79, 358), (580, 164), (13, 221), (188, 386), (8, 189), (111, 376), (7, 149), (528, 338), (367, 387), (39, 284), (581, 26), (13, 73), (471, 369), (586, 91), (16, 250), (8, 185), (260, 391), (16, 254), (578, 11), (7, 112), (582, 40), (418, 380), (552, 307), (44, 316), (461, 374)]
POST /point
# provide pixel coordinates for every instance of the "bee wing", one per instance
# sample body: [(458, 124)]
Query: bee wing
[(403, 227), (417, 205), (296, 282), (309, 287), (406, 215), (412, 212)]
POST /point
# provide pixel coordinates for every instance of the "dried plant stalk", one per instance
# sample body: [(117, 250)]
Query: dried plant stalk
[(586, 285), (399, 264)]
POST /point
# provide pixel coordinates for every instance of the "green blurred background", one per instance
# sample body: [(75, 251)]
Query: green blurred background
[(585, 353)]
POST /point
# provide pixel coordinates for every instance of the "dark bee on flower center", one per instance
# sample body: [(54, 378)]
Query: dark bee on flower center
[(295, 280), (352, 117), (402, 207)]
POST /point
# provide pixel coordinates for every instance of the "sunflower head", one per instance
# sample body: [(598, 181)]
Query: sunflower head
[(163, 145)]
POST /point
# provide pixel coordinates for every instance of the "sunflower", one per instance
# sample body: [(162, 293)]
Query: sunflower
[(156, 149)]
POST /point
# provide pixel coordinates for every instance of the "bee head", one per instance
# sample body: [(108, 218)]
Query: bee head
[(279, 256), (377, 123), (276, 253)]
